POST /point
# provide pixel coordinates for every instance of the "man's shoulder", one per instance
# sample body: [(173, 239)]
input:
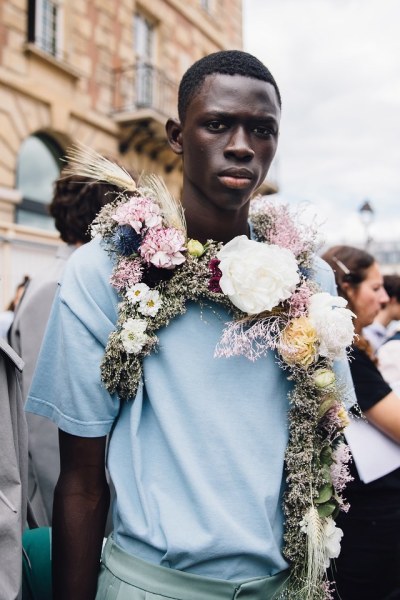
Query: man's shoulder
[(91, 254), (89, 263), (86, 282), (321, 265), (323, 275)]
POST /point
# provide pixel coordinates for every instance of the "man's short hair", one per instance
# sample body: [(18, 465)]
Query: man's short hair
[(392, 286), (225, 62), (76, 201)]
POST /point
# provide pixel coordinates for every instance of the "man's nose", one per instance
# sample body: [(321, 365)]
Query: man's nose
[(239, 145)]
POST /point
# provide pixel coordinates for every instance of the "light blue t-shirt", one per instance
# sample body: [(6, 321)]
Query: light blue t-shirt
[(197, 459)]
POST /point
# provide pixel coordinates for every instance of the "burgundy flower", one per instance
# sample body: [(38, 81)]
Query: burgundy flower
[(216, 274)]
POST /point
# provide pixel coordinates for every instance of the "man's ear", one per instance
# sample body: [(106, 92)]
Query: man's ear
[(174, 135)]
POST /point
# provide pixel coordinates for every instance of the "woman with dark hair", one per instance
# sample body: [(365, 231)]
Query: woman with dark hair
[(369, 564)]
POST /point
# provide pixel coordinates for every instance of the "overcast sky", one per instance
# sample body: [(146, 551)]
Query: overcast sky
[(337, 63)]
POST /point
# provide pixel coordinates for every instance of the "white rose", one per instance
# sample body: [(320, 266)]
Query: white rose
[(133, 336), (256, 276), (332, 539), (333, 323)]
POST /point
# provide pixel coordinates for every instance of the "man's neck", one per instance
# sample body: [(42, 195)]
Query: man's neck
[(221, 227), (206, 221)]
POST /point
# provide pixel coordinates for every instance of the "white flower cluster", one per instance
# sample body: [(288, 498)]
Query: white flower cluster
[(133, 334), (148, 300), (332, 538), (328, 540), (256, 276), (333, 323)]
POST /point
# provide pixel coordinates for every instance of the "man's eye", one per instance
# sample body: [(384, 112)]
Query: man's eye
[(263, 131), (216, 125)]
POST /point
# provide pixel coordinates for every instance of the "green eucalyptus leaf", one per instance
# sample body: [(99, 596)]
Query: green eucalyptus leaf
[(326, 456), (327, 509), (325, 494)]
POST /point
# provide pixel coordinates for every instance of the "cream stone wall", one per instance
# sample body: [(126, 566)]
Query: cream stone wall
[(72, 97)]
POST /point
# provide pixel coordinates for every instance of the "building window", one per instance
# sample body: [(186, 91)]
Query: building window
[(38, 166), (45, 25), (144, 50)]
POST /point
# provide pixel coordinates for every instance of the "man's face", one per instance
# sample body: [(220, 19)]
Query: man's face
[(229, 139)]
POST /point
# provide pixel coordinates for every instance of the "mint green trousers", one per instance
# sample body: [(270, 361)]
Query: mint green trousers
[(125, 577), (36, 564)]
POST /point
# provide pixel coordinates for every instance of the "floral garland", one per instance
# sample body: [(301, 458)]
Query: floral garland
[(266, 285)]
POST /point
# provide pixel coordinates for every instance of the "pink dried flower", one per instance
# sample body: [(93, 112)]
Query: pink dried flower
[(138, 212), (327, 588), (163, 247), (280, 227), (340, 467), (299, 301), (126, 273), (239, 339), (216, 274), (284, 232)]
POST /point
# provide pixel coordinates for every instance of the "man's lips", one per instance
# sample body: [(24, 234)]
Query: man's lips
[(236, 178)]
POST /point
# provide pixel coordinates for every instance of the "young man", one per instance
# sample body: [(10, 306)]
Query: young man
[(197, 457)]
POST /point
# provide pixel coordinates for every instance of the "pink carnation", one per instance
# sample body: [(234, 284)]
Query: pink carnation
[(138, 212), (162, 247), (127, 273)]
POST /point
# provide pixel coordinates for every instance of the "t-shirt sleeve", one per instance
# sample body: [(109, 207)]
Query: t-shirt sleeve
[(369, 384), (67, 386)]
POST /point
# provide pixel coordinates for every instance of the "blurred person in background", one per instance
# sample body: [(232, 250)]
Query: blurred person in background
[(380, 329), (13, 473), (7, 316), (389, 352), (75, 203), (368, 566)]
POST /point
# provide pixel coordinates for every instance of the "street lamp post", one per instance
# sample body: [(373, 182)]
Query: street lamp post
[(367, 215)]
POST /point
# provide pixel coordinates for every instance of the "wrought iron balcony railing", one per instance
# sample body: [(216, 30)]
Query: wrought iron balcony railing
[(143, 86)]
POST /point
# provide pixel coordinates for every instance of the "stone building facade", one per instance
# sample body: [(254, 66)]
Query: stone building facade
[(99, 72)]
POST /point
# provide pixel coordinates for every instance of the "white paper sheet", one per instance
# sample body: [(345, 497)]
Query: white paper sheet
[(374, 453)]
